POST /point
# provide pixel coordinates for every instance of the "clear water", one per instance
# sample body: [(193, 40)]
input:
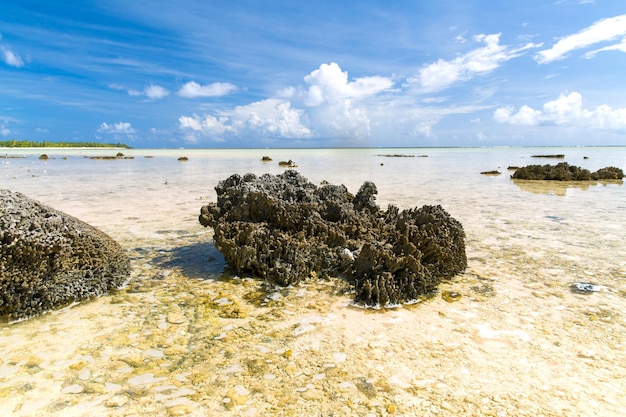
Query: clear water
[(518, 342)]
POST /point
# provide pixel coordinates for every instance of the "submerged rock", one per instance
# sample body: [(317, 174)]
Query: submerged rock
[(565, 172), (49, 259), (285, 229)]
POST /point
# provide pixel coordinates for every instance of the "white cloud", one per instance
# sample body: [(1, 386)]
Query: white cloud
[(4, 131), (430, 100), (329, 105), (566, 110), (329, 84), (338, 107), (11, 58), (460, 38), (193, 89), (441, 74), (335, 105), (116, 128), (155, 92), (615, 47), (525, 116), (269, 118), (601, 31)]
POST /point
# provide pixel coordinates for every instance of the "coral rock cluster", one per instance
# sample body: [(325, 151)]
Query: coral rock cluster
[(285, 229), (565, 172)]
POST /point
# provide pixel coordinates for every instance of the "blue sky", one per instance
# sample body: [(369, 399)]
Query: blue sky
[(274, 73)]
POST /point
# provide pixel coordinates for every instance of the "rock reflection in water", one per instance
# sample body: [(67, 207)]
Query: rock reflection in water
[(559, 187)]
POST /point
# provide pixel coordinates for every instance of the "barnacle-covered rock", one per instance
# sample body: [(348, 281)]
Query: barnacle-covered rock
[(49, 259), (285, 229)]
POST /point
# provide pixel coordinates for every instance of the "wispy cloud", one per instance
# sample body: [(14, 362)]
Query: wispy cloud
[(443, 73), (153, 92), (9, 57), (192, 89), (566, 110), (615, 47), (601, 31)]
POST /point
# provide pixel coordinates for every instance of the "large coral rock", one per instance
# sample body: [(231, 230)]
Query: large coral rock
[(565, 172), (49, 259), (285, 229)]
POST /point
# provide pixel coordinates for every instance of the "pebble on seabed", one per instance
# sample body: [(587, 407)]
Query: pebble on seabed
[(73, 389), (116, 401)]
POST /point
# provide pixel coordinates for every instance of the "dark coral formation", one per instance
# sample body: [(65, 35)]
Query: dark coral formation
[(285, 229), (557, 156), (565, 172), (49, 259)]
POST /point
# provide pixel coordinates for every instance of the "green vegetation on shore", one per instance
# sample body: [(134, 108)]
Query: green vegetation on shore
[(49, 144)]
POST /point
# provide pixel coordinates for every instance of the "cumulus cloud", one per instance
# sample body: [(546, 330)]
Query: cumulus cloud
[(155, 92), (270, 117), (329, 84), (566, 110), (339, 107), (442, 73), (328, 105), (601, 31), (193, 89), (328, 100), (116, 128), (525, 115)]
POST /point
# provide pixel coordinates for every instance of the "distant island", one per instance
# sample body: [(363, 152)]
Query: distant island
[(49, 144)]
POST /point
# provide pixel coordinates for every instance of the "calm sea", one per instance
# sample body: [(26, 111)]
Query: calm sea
[(155, 191), (519, 340)]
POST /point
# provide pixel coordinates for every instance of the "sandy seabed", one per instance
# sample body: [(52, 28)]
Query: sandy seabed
[(506, 338)]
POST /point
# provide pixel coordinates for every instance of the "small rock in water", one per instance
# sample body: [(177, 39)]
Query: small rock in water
[(144, 379), (339, 357), (176, 318), (312, 394), (84, 375), (366, 387), (585, 287), (116, 401), (451, 296), (73, 389), (180, 410)]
